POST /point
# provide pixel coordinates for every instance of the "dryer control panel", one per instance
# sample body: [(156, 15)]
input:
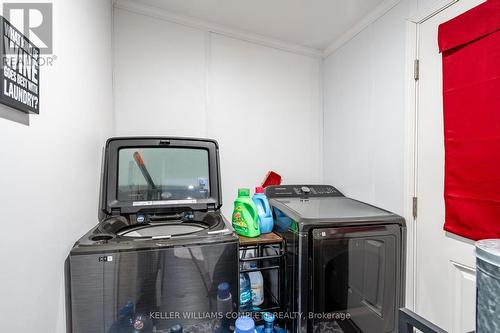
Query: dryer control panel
[(302, 191)]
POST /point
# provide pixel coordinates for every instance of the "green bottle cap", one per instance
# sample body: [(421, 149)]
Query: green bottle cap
[(243, 192)]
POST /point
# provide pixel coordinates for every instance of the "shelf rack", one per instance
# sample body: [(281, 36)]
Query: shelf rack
[(269, 256)]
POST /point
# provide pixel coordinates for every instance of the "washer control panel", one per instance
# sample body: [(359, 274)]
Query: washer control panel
[(302, 191)]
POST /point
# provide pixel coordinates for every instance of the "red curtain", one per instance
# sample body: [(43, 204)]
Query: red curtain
[(470, 46)]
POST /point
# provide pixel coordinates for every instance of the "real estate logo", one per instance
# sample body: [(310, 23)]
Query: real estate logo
[(34, 20)]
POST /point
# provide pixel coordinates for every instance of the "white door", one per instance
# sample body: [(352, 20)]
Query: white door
[(445, 263)]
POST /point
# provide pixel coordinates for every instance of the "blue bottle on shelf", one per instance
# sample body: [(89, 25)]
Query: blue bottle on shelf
[(268, 326), (245, 292), (264, 211)]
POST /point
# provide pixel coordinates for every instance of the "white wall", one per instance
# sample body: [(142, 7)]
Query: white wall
[(159, 77), (263, 105), (364, 105), (50, 169)]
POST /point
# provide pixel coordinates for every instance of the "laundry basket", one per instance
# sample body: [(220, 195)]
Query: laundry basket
[(488, 286)]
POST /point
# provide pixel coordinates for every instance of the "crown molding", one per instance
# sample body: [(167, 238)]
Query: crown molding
[(368, 19), (162, 14), (420, 15)]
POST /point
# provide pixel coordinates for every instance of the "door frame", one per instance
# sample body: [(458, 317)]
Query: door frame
[(413, 22)]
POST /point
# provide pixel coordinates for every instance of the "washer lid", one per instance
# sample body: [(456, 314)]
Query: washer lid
[(489, 251), (329, 208), (160, 174)]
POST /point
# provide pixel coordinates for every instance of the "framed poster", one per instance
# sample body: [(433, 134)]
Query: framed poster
[(20, 70)]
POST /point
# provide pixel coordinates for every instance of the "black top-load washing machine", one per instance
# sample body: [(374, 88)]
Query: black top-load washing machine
[(345, 260), (162, 248)]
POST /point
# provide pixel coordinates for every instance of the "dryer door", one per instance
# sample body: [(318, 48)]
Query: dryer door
[(356, 278)]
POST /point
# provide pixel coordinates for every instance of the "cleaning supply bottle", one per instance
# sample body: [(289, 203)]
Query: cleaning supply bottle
[(256, 282), (245, 218), (245, 325), (257, 286), (245, 292), (263, 210), (268, 322), (268, 326), (125, 322), (224, 307)]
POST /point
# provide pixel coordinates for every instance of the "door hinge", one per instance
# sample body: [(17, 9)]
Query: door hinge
[(416, 69), (415, 202)]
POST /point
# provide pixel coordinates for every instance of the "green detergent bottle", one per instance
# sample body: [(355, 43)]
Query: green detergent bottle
[(245, 217)]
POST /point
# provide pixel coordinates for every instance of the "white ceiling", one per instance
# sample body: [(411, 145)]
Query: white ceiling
[(310, 23)]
